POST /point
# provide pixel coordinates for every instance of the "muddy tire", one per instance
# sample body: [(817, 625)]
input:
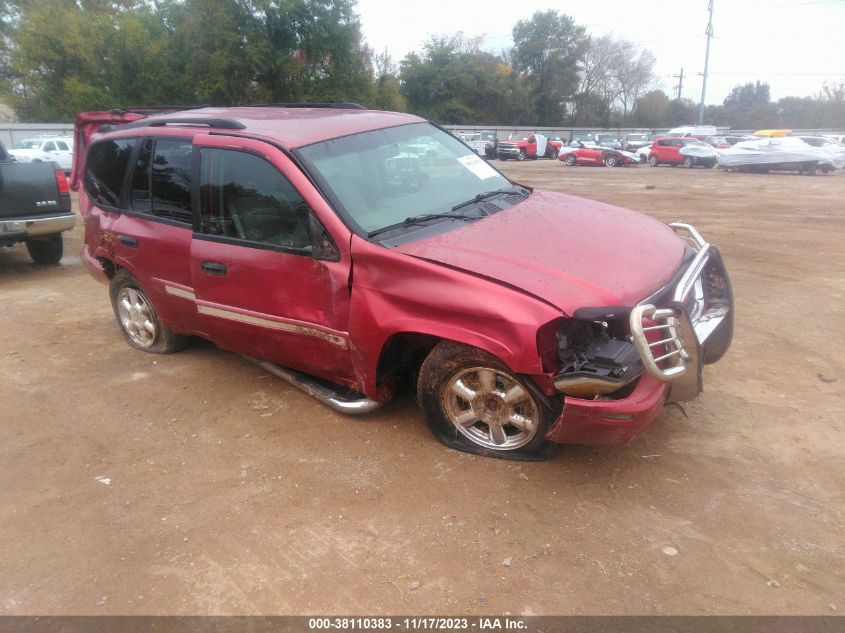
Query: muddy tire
[(137, 317), (472, 402), (46, 250)]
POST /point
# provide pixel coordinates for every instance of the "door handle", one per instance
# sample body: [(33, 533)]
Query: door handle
[(128, 240), (214, 268)]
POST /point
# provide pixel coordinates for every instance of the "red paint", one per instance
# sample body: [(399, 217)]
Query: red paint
[(593, 156), (585, 421), (496, 284)]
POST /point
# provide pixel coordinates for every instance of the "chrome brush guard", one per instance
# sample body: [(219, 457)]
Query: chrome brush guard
[(673, 340)]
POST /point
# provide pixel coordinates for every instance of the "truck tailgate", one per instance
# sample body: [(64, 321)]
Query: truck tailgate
[(30, 189)]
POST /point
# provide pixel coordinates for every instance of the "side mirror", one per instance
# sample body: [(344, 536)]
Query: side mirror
[(323, 247)]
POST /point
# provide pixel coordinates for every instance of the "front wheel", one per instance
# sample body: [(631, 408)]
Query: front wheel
[(139, 322), (652, 160), (611, 161), (569, 160), (689, 162), (472, 402), (521, 155), (47, 249)]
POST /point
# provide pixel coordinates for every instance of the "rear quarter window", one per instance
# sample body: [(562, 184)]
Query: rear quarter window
[(105, 169)]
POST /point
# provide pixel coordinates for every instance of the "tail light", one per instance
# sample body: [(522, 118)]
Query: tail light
[(61, 181)]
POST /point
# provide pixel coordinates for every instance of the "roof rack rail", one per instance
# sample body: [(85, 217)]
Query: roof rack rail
[(329, 105), (157, 109), (223, 124)]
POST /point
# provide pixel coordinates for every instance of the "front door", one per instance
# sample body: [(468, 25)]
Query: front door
[(261, 287)]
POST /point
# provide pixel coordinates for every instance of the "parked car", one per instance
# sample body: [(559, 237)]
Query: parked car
[(719, 142), (667, 151), (633, 142), (582, 137), (56, 149), (520, 146), (591, 154), (518, 316), (482, 143), (35, 207), (608, 140), (643, 153), (700, 132)]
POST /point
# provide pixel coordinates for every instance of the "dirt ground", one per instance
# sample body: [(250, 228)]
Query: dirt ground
[(196, 484)]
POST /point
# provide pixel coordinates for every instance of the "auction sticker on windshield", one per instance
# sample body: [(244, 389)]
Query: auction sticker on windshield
[(478, 167)]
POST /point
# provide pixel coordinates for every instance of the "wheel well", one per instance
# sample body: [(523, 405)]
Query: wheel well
[(401, 358), (108, 267)]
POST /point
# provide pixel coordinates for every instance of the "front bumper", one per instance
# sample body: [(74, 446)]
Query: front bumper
[(676, 331), (13, 230)]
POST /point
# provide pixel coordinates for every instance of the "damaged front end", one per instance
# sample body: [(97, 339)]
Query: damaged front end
[(618, 365)]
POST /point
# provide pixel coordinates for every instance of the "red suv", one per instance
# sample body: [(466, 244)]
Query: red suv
[(322, 244)]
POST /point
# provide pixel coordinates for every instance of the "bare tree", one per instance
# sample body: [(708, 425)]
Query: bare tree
[(614, 74)]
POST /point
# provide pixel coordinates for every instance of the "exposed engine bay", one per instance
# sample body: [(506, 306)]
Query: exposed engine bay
[(597, 360)]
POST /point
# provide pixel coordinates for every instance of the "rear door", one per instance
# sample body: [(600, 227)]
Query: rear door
[(269, 280), (140, 215)]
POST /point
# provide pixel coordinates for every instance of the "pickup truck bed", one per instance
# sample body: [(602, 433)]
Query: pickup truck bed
[(35, 208)]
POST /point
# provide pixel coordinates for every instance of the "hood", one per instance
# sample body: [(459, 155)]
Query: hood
[(568, 251)]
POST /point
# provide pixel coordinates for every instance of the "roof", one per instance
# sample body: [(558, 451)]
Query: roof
[(294, 127)]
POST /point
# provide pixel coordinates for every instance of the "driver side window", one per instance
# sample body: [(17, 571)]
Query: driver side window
[(244, 197)]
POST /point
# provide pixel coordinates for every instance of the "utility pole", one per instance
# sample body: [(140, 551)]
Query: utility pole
[(706, 64), (680, 85)]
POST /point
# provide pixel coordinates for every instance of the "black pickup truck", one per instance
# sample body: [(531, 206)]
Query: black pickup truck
[(34, 207)]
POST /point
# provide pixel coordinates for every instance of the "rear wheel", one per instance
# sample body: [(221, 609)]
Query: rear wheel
[(138, 318), (652, 160), (472, 402), (47, 249), (689, 162)]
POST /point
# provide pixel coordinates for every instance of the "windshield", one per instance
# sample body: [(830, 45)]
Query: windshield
[(28, 144), (636, 137), (385, 176), (518, 137)]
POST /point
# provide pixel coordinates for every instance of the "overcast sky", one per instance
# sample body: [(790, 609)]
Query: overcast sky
[(794, 45)]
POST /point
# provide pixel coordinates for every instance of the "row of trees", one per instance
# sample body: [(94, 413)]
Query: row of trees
[(58, 57)]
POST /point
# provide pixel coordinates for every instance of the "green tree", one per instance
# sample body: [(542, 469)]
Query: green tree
[(386, 93), (749, 106), (453, 81), (652, 110), (547, 51)]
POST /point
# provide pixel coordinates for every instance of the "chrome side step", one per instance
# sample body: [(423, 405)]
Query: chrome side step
[(320, 392)]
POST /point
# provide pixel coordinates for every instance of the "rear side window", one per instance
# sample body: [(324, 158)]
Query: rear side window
[(105, 169), (62, 146), (171, 179)]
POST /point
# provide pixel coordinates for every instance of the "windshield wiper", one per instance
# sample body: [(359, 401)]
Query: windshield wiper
[(482, 196), (418, 219)]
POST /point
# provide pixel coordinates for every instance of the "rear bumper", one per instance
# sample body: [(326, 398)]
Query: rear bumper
[(13, 230), (93, 265), (610, 421)]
